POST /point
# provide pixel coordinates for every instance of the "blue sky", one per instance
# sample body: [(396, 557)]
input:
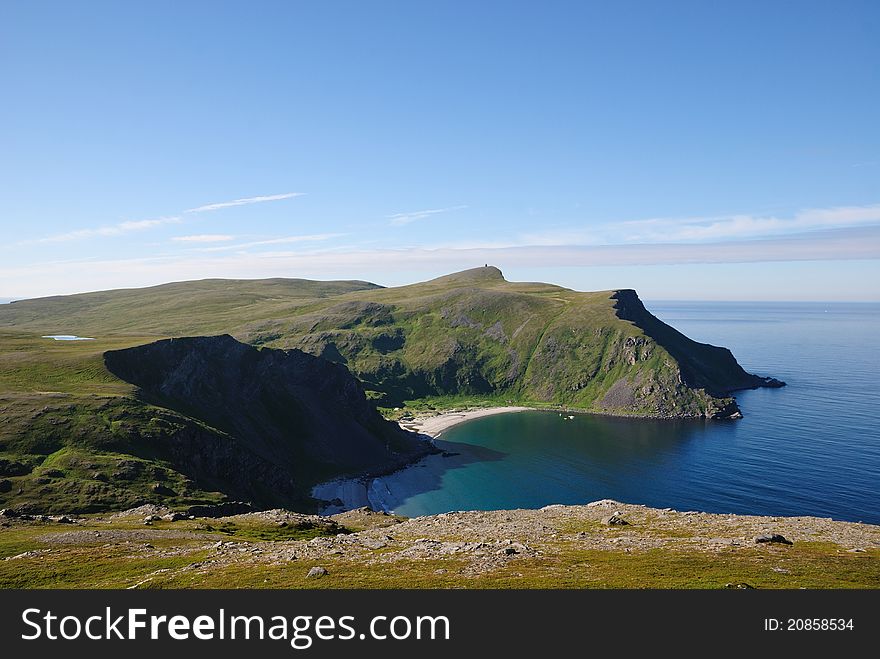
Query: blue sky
[(690, 150)]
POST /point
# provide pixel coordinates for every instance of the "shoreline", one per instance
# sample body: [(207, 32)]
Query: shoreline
[(371, 490), (434, 425)]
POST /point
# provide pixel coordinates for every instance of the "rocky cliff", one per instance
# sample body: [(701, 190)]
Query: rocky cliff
[(701, 365), (191, 421), (285, 419), (471, 333), (474, 333)]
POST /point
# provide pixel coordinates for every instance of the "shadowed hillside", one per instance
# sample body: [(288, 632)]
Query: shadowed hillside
[(192, 421), (294, 411), (125, 419)]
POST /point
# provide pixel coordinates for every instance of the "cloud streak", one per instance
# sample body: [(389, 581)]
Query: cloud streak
[(141, 225), (204, 238), (44, 278), (667, 230), (128, 226), (314, 237), (401, 219), (246, 201)]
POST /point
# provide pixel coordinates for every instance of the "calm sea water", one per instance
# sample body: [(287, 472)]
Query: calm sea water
[(811, 448)]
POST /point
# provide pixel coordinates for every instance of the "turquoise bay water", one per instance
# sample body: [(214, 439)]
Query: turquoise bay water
[(811, 448)]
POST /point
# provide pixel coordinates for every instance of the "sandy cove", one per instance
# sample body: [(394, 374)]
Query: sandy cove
[(436, 424), (378, 492)]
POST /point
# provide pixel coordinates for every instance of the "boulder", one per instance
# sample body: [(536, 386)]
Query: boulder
[(772, 537), (13, 468), (317, 573), (224, 509), (163, 490), (615, 520), (128, 470), (602, 502)]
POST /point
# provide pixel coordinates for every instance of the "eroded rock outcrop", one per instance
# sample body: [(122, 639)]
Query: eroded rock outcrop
[(270, 423)]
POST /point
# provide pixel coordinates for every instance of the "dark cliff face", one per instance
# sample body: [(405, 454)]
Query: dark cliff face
[(702, 366), (286, 419)]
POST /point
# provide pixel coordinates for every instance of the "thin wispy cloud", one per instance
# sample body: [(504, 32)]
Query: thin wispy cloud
[(823, 234), (119, 229), (140, 225), (561, 236), (243, 202), (666, 230), (860, 243), (204, 238), (309, 238), (400, 219)]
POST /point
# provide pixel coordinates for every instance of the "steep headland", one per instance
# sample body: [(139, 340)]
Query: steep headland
[(701, 365), (468, 333), (134, 416), (206, 419)]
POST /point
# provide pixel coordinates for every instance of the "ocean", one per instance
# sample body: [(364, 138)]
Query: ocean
[(810, 448)]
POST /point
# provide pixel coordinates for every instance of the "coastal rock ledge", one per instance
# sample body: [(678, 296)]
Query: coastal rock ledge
[(554, 547)]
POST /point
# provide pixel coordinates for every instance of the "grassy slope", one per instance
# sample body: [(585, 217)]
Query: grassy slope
[(471, 336), (183, 555), (476, 333), (75, 439), (467, 333), (68, 427), (210, 306), (73, 426)]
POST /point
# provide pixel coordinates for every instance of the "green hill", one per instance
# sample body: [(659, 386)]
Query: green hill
[(209, 306), (183, 422), (469, 333), (69, 424)]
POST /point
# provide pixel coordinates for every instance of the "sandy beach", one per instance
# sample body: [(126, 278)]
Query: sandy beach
[(381, 493), (434, 425)]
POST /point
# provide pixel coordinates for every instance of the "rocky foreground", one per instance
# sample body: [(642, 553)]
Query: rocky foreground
[(601, 544)]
